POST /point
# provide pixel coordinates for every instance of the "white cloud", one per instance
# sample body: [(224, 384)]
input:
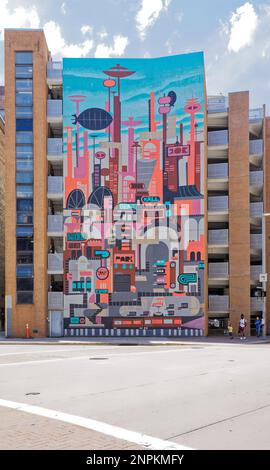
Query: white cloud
[(117, 49), (86, 28), (148, 14), (63, 8), (19, 17), (59, 47), (243, 24)]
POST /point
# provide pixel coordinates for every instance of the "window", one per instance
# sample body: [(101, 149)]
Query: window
[(24, 85), (25, 244), (24, 230), (24, 270), (24, 112), (23, 151), (24, 98), (24, 137), (24, 218), (25, 58), (24, 124), (25, 205), (24, 191), (24, 297), (24, 177), (23, 71), (25, 258), (24, 165)]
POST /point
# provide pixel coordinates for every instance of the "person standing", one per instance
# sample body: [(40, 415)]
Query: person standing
[(258, 324), (242, 327), (230, 330)]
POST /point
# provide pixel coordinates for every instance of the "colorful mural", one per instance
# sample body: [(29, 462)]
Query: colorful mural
[(134, 192)]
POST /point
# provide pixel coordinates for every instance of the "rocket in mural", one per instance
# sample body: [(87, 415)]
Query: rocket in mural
[(134, 195)]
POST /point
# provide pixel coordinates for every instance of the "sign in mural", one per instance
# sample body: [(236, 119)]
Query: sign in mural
[(134, 192)]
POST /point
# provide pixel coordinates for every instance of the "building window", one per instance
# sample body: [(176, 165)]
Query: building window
[(24, 176), (24, 58), (24, 125), (24, 71), (24, 137)]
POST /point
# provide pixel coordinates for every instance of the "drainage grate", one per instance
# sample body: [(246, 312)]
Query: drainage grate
[(98, 358)]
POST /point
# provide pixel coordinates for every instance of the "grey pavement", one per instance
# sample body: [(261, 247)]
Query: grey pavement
[(202, 394)]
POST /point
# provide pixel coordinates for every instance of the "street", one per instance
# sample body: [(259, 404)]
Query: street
[(196, 395)]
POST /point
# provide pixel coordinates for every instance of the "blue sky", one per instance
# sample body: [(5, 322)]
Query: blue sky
[(234, 34)]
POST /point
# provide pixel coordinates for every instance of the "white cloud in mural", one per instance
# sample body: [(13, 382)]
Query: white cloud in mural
[(102, 33), (18, 17), (117, 49), (59, 47), (243, 24), (86, 29), (148, 14)]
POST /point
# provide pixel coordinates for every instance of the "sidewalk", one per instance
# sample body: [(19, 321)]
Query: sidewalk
[(139, 341), (23, 431)]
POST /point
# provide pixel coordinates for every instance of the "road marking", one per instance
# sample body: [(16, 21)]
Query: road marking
[(140, 439), (38, 351), (41, 361)]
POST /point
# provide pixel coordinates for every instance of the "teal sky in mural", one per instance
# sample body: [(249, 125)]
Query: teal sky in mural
[(184, 74)]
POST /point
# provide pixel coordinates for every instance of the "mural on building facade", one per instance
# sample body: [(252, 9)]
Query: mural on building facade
[(134, 192)]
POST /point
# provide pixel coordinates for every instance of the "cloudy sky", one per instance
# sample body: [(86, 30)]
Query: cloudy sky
[(234, 34)]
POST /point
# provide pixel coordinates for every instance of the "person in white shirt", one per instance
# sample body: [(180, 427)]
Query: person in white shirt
[(242, 327)]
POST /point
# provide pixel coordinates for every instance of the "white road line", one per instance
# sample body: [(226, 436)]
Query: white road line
[(114, 431), (125, 355), (38, 351)]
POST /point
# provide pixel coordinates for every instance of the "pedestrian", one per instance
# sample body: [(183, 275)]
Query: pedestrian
[(242, 327), (230, 330), (258, 324)]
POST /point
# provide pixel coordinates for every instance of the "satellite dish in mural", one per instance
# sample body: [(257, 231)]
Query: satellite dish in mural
[(97, 196), (94, 119), (173, 97)]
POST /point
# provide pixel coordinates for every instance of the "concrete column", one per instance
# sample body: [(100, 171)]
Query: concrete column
[(266, 197)]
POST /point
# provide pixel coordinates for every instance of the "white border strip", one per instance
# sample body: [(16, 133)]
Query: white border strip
[(114, 431)]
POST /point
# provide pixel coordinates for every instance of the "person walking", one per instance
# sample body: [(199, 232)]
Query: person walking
[(242, 327), (258, 324)]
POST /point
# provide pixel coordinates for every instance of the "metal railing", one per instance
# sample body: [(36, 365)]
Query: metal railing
[(55, 262), (55, 300), (218, 170), (218, 237), (256, 241), (55, 223), (216, 138), (256, 114), (217, 104), (55, 184), (54, 109), (256, 209), (255, 272), (218, 203), (54, 147), (256, 147), (218, 270), (54, 70), (256, 178), (218, 303)]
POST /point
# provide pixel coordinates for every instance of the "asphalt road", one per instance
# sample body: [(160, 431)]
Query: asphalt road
[(203, 396)]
